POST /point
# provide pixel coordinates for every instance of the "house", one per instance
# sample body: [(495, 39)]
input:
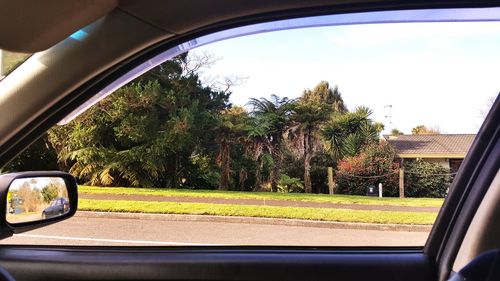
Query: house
[(448, 150)]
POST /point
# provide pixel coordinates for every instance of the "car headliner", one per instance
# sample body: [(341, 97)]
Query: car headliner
[(32, 26)]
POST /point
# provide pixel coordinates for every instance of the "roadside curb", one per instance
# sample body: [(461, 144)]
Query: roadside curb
[(256, 220)]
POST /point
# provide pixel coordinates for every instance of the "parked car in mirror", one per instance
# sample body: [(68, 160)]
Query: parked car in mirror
[(57, 207)]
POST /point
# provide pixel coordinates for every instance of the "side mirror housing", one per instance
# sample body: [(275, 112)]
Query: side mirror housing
[(34, 199)]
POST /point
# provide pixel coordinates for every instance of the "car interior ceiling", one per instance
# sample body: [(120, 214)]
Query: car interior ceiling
[(133, 28)]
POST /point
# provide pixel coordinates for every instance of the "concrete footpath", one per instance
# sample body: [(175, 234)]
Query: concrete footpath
[(255, 220)]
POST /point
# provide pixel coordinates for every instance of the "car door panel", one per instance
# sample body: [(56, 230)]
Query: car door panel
[(26, 263)]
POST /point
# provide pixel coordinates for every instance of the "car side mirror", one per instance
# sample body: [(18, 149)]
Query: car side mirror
[(35, 199)]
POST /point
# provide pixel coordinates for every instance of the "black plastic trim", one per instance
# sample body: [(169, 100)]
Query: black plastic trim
[(7, 229), (474, 178), (215, 264)]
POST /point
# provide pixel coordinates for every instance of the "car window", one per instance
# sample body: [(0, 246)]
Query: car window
[(326, 136), (10, 61)]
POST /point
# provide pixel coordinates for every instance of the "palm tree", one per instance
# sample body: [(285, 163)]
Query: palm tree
[(257, 148), (347, 133), (231, 130), (273, 116), (311, 111), (305, 137)]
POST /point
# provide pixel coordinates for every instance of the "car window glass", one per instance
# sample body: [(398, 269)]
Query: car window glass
[(10, 61), (326, 136)]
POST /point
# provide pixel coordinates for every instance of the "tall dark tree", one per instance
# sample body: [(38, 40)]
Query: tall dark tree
[(257, 147), (311, 111), (274, 116), (231, 130)]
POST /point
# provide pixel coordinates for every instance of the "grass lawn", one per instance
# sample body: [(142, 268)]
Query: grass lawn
[(340, 199), (340, 215)]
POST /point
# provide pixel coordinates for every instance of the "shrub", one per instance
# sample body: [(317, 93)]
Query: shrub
[(373, 165), (288, 184), (424, 179), (49, 192)]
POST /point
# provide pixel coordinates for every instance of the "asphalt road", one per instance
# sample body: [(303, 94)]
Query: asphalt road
[(142, 232)]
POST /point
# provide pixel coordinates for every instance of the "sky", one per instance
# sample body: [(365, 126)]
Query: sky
[(441, 75), (38, 183)]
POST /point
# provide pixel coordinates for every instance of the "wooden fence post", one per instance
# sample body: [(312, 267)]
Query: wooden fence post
[(330, 180), (401, 182)]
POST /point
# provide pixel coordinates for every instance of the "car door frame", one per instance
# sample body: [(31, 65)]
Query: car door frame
[(432, 261)]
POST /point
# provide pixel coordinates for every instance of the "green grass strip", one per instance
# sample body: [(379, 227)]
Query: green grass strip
[(339, 215), (339, 199)]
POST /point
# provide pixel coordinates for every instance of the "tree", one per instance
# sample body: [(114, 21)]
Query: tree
[(30, 196), (49, 192), (148, 133), (274, 117), (313, 108), (231, 130), (257, 148), (347, 133), (396, 132), (423, 130)]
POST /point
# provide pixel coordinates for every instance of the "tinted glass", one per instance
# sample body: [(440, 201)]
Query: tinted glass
[(326, 136)]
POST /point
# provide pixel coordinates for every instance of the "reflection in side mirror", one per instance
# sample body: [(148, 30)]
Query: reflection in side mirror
[(36, 198)]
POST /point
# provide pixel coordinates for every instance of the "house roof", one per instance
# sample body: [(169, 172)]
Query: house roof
[(432, 146)]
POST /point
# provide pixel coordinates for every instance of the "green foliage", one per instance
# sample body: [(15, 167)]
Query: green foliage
[(347, 133), (271, 120), (165, 129), (49, 192), (423, 130), (424, 179), (289, 185), (231, 132), (39, 156), (324, 94), (146, 134), (375, 164), (396, 132), (309, 114)]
